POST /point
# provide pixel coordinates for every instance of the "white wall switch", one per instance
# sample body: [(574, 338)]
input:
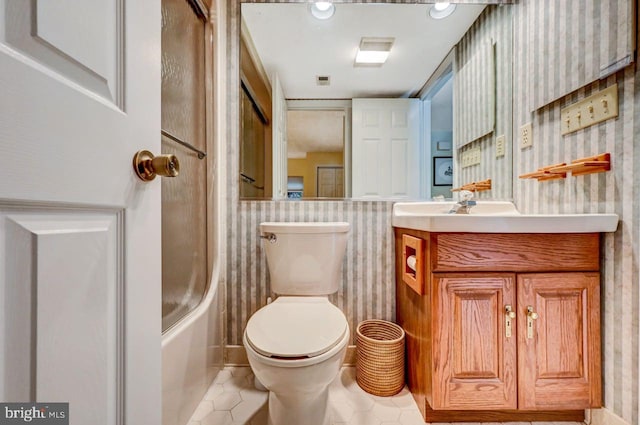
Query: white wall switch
[(471, 157), (500, 148), (591, 110), (526, 136)]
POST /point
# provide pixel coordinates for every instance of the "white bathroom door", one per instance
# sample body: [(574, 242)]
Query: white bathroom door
[(385, 148), (80, 252)]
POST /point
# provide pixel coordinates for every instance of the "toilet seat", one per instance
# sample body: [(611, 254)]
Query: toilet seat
[(296, 327)]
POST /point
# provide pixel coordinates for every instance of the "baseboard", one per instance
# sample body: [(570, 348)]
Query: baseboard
[(605, 417), (236, 355)]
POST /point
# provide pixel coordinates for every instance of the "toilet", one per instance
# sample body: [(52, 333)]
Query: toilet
[(296, 344)]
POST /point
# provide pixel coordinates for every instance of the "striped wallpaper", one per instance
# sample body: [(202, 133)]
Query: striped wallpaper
[(493, 25), (617, 191), (368, 281), (367, 289), (563, 29), (474, 89)]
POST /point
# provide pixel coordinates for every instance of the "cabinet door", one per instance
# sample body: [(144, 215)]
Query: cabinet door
[(559, 356), (474, 359)]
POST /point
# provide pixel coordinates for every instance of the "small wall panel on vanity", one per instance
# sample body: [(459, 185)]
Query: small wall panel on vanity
[(59, 265)]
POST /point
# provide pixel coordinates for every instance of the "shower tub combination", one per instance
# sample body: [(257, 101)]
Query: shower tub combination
[(191, 293)]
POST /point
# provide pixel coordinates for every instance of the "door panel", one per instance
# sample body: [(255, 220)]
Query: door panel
[(385, 146), (92, 60), (330, 181), (474, 359), (559, 365), (68, 260), (370, 184), (62, 266)]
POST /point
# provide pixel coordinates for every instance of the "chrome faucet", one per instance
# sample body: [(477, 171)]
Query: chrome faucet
[(463, 206)]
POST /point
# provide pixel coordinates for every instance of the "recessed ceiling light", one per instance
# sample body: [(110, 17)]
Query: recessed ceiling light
[(322, 9), (373, 51), (441, 10)]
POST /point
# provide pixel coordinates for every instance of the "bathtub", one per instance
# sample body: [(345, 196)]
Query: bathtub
[(192, 353)]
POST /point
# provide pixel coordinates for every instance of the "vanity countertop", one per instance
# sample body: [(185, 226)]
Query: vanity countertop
[(495, 217)]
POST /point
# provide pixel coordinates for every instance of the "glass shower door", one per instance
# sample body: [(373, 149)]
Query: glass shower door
[(184, 199)]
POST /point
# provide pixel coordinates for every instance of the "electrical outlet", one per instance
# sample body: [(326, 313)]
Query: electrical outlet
[(526, 136), (500, 148)]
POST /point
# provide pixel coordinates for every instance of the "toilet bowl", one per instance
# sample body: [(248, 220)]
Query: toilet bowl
[(297, 344), (295, 347)]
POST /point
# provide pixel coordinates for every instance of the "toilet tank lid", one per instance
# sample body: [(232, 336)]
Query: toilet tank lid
[(305, 227)]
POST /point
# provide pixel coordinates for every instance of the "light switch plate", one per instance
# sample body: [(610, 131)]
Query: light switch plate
[(596, 108), (500, 148), (526, 136), (471, 157)]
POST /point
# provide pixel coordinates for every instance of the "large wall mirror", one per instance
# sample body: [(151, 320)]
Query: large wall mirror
[(325, 113)]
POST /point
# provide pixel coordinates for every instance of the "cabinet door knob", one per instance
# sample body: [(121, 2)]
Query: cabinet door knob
[(531, 316), (508, 327)]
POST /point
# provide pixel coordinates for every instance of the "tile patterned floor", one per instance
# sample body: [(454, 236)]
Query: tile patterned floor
[(233, 400)]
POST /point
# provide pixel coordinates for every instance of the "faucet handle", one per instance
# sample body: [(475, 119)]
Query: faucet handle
[(466, 195)]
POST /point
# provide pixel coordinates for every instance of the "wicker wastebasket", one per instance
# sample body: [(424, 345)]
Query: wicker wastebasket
[(380, 357)]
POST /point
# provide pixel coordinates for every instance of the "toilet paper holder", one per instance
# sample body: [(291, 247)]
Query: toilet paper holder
[(413, 248)]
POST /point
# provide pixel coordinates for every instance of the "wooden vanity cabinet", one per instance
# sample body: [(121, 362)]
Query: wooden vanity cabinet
[(507, 327)]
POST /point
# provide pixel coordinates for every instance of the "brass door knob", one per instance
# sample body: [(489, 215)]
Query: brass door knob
[(147, 166), (509, 311), (532, 313)]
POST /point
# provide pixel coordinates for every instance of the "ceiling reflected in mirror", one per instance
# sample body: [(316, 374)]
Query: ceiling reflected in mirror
[(299, 48), (314, 131)]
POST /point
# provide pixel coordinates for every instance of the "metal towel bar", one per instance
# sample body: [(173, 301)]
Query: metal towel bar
[(168, 135)]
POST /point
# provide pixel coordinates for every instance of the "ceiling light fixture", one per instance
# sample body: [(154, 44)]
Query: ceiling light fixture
[(373, 51), (322, 9), (441, 10)]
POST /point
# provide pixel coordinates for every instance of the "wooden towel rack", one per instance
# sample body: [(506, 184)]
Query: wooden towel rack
[(592, 164), (589, 165), (475, 186)]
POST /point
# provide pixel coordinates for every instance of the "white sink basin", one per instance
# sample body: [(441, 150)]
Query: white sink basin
[(495, 217)]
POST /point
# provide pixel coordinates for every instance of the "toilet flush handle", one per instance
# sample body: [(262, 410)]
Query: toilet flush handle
[(271, 237)]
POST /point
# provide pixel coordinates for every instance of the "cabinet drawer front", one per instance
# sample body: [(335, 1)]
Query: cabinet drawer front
[(535, 252)]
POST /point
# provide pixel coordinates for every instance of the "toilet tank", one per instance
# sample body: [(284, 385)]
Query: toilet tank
[(305, 258)]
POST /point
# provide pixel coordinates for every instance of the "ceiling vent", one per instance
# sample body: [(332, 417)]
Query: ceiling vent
[(323, 80), (373, 51)]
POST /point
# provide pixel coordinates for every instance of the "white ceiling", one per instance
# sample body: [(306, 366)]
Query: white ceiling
[(299, 47), (314, 131)]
